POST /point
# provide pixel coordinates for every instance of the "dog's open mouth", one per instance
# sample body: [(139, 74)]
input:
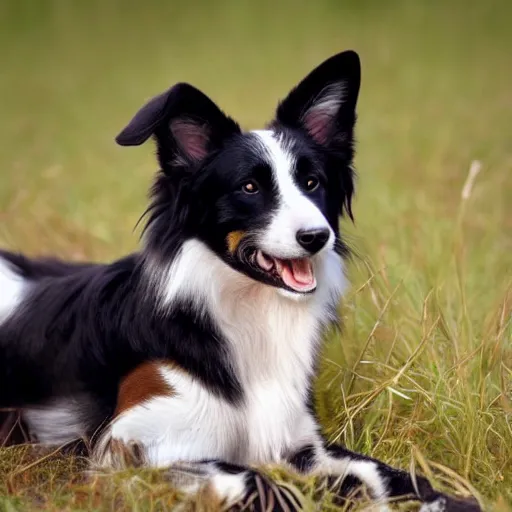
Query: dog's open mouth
[(297, 274)]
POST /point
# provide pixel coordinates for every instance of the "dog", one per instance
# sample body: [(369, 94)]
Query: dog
[(198, 352)]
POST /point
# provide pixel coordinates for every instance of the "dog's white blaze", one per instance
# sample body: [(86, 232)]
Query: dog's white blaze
[(12, 290), (295, 211), (272, 340)]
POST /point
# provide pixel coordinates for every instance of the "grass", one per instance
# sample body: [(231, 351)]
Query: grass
[(421, 374)]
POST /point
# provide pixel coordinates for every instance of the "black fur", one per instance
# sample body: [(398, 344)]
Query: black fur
[(304, 459), (54, 345)]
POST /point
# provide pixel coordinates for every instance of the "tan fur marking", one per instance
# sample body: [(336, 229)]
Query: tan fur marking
[(142, 384), (234, 238)]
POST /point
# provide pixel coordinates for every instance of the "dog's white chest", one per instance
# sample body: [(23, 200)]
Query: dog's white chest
[(272, 415), (271, 343), (274, 349)]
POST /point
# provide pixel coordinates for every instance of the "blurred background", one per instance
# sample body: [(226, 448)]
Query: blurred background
[(436, 94), (428, 265)]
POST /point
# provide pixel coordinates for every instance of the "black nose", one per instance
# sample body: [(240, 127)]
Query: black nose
[(312, 239)]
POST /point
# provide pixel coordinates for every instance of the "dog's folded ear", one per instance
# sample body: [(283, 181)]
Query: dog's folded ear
[(324, 103), (186, 124)]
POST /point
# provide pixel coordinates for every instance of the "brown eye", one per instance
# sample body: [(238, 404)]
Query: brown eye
[(250, 187), (312, 183)]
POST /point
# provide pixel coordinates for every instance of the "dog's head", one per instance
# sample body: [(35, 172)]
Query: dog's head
[(267, 202)]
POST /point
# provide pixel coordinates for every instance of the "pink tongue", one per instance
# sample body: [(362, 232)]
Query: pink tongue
[(299, 274)]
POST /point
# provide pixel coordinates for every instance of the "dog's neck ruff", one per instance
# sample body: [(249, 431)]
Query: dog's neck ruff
[(269, 332)]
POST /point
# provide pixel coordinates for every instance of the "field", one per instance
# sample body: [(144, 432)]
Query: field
[(421, 373)]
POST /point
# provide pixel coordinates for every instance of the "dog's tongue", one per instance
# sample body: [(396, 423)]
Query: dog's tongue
[(298, 274)]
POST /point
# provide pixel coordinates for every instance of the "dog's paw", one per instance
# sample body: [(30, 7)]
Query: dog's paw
[(231, 487), (263, 494), (444, 503), (116, 454)]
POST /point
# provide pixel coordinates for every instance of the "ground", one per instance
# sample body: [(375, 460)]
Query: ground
[(420, 374)]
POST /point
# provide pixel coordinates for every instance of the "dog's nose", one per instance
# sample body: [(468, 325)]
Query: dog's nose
[(312, 239)]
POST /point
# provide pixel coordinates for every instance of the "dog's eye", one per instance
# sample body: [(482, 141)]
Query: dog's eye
[(250, 187), (312, 183)]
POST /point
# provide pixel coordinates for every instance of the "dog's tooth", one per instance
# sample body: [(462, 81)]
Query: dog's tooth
[(263, 261)]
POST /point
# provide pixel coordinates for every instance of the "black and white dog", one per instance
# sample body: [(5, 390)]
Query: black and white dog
[(201, 348)]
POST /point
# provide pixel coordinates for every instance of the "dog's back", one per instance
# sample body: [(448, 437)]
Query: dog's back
[(48, 322), (38, 268)]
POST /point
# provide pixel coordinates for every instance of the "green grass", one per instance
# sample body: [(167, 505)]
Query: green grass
[(421, 374)]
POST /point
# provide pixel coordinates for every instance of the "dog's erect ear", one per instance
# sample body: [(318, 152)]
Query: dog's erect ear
[(323, 104), (186, 124)]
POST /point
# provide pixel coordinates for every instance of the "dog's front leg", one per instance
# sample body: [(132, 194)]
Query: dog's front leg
[(348, 472)]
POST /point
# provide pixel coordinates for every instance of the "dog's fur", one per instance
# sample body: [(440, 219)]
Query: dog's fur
[(202, 347)]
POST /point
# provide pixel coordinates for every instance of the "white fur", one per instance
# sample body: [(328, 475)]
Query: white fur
[(230, 488), (192, 424), (272, 340), (296, 212), (438, 505), (192, 477), (59, 422), (12, 290), (364, 470)]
